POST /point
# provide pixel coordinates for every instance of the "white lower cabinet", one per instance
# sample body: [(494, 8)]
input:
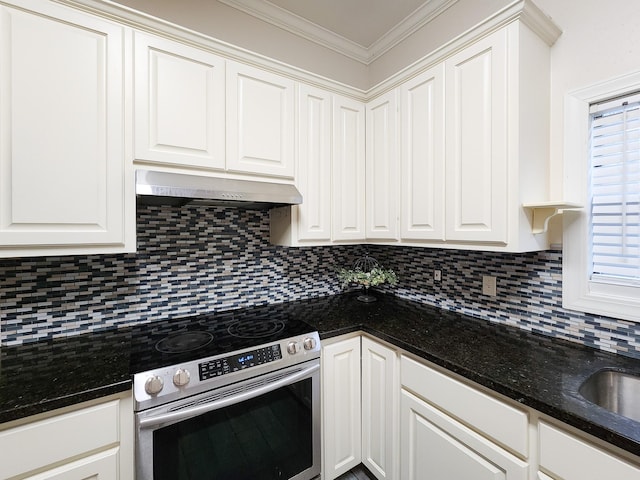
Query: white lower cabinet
[(449, 430), (379, 409), (435, 446), (360, 407), (404, 418), (91, 442), (101, 466), (341, 407), (564, 456)]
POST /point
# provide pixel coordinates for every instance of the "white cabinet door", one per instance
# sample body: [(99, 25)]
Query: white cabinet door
[(341, 407), (314, 164), (382, 167), (379, 409), (348, 169), (435, 446), (62, 168), (559, 451), (260, 122), (101, 466), (476, 142), (62, 439), (422, 178), (179, 104)]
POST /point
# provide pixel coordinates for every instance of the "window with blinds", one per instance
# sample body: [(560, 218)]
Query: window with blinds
[(615, 191)]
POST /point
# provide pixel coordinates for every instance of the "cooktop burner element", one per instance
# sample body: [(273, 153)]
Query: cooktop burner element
[(246, 329), (184, 342)]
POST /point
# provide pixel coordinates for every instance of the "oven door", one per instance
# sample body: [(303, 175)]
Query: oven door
[(267, 427)]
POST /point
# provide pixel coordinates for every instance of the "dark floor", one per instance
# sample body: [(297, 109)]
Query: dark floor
[(358, 473)]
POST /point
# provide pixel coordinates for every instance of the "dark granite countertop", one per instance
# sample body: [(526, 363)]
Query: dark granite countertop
[(534, 370), (42, 376)]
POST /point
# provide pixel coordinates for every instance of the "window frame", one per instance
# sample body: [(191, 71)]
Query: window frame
[(578, 291)]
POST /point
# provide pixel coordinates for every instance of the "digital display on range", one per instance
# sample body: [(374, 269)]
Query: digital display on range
[(240, 361)]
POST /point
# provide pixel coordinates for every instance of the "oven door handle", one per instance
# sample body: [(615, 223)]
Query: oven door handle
[(207, 407)]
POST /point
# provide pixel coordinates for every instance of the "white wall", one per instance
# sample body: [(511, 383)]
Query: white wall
[(600, 40)]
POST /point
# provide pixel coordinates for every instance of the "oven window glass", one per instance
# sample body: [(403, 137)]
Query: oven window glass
[(268, 437)]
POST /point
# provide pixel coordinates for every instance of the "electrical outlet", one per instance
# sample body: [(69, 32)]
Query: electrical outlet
[(437, 275), (489, 285)]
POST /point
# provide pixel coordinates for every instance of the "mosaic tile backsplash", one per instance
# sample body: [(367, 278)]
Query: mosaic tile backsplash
[(193, 260)]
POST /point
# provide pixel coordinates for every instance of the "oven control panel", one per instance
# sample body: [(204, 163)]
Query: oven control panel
[(160, 386), (233, 363)]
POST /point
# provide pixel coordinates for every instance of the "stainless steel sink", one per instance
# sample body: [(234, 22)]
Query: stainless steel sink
[(616, 391)]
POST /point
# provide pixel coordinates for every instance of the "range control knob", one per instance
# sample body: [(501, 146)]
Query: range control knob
[(292, 348), (153, 385), (181, 377), (309, 343)]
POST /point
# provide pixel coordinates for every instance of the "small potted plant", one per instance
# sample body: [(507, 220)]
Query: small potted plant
[(368, 273)]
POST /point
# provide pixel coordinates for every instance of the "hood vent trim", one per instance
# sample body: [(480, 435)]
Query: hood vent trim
[(176, 189)]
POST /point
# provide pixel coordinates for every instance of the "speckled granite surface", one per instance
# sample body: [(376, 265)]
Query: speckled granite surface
[(537, 371), (42, 376)]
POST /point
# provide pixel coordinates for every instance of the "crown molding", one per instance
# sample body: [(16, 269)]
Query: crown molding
[(524, 11), (412, 22), (144, 22), (284, 19), (519, 10)]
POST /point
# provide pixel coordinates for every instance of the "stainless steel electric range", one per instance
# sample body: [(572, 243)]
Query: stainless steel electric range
[(227, 396)]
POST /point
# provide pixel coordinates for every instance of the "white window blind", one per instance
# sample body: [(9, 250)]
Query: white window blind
[(615, 191)]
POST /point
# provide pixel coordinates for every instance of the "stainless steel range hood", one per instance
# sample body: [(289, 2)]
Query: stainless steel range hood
[(161, 188)]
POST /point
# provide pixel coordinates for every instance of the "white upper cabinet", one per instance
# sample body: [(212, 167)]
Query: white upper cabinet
[(382, 167), (314, 164), (330, 173), (497, 139), (348, 169), (62, 162), (260, 122), (197, 110), (476, 142), (179, 104), (422, 165)]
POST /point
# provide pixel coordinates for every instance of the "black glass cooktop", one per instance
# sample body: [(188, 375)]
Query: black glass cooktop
[(183, 339)]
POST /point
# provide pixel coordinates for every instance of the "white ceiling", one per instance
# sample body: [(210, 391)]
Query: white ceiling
[(360, 29)]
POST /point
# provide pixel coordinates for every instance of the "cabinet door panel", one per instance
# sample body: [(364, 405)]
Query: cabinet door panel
[(433, 445), (61, 135), (314, 164), (422, 177), (55, 439), (179, 104), (341, 405), (476, 142), (101, 466), (348, 170), (379, 409), (382, 165), (260, 121), (559, 451)]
